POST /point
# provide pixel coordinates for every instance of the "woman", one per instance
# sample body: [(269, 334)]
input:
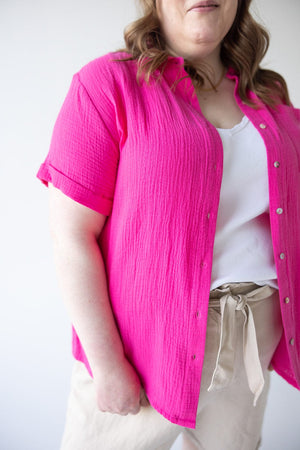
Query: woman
[(174, 207)]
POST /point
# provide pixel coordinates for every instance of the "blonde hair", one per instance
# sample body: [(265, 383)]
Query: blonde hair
[(242, 49)]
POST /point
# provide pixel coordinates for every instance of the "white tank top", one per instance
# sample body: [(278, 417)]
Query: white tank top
[(243, 245)]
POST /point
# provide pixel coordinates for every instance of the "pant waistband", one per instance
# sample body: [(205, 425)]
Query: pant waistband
[(229, 298)]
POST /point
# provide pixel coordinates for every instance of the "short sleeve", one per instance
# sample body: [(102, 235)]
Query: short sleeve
[(84, 152)]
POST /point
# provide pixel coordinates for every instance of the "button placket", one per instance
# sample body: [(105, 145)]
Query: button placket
[(279, 211)]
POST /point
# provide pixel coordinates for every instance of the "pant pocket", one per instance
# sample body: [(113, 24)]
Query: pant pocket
[(268, 327)]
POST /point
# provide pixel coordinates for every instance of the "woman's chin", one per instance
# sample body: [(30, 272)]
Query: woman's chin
[(201, 49)]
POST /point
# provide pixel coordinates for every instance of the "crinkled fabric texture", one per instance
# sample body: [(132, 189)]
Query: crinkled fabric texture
[(226, 418), (145, 156)]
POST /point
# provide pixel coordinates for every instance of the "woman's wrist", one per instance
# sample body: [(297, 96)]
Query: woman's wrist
[(112, 363)]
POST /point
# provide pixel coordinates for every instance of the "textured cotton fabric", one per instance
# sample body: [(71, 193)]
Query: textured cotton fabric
[(226, 418), (243, 243), (145, 156)]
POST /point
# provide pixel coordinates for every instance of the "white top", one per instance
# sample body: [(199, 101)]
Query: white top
[(243, 245)]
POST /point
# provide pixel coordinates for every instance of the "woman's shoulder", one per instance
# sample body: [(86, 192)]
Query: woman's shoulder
[(288, 113), (107, 70)]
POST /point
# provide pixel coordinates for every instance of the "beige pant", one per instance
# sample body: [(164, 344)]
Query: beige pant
[(236, 378)]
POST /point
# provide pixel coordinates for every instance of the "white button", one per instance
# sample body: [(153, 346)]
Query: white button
[(282, 256), (276, 164), (262, 125), (279, 210), (208, 215), (286, 300), (292, 341)]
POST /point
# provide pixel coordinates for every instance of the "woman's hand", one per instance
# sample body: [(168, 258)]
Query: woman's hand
[(118, 389)]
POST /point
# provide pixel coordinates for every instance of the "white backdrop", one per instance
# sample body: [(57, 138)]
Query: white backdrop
[(42, 43)]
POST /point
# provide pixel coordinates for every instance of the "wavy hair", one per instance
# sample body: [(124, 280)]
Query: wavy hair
[(242, 49)]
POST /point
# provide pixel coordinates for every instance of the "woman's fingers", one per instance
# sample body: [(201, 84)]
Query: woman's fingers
[(143, 398)]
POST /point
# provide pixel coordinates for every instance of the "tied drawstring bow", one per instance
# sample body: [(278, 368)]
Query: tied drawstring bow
[(229, 303)]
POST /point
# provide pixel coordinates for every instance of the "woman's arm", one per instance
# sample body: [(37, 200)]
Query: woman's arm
[(82, 280)]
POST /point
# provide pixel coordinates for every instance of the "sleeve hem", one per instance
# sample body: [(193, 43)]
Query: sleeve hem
[(47, 173)]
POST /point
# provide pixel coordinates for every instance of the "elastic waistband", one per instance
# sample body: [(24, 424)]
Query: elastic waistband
[(253, 291)]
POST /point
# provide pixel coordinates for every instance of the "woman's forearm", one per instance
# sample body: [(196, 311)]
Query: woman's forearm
[(82, 281)]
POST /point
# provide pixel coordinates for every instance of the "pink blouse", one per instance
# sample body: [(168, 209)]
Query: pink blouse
[(145, 156)]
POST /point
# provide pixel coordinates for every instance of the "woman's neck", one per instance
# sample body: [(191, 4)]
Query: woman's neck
[(210, 63), (215, 68)]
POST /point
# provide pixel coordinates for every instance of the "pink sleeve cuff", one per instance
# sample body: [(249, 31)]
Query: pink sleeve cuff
[(74, 190)]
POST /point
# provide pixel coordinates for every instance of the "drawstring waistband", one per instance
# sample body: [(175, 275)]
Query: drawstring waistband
[(229, 299)]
